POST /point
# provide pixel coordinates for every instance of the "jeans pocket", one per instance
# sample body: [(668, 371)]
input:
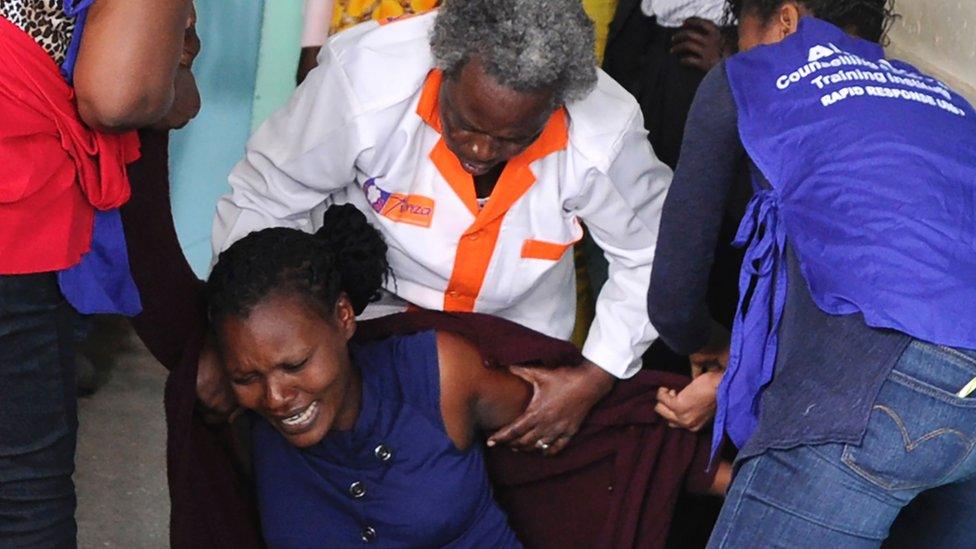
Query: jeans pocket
[(937, 371), (916, 436)]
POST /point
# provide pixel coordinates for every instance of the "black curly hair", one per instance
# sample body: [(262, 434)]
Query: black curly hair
[(346, 255), (869, 19)]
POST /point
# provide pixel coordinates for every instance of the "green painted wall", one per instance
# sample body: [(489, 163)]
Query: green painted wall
[(202, 154), (277, 57)]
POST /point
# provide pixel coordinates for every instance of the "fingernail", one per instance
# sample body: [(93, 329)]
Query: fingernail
[(491, 443)]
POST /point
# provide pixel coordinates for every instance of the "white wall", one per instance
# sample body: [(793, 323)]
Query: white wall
[(939, 37)]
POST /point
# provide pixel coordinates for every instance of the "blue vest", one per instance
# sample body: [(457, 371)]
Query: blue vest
[(872, 181)]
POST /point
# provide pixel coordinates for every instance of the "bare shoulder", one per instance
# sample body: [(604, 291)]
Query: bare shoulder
[(460, 373), (474, 396), (457, 353), (462, 368)]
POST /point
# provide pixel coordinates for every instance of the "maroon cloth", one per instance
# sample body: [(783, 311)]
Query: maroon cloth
[(500, 341), (615, 486), (211, 501)]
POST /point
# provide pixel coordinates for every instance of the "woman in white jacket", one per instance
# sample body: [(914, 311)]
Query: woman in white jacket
[(476, 139)]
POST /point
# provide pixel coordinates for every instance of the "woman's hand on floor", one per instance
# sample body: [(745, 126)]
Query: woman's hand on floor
[(562, 397), (694, 406)]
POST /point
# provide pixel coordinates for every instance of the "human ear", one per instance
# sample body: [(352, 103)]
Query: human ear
[(345, 317), (789, 18)]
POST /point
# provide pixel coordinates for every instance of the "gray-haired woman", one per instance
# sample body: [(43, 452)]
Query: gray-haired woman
[(476, 139)]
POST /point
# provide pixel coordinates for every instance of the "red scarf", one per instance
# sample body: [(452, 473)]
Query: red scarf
[(54, 170)]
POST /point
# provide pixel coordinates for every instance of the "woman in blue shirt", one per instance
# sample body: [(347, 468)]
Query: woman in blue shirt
[(375, 443), (852, 364)]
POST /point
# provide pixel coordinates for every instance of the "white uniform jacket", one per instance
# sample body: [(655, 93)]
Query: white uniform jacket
[(364, 129)]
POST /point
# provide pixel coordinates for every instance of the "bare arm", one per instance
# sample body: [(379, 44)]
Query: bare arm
[(315, 32), (307, 61), (473, 397), (127, 63)]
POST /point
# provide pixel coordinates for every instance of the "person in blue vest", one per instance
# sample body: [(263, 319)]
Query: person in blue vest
[(354, 443), (849, 382)]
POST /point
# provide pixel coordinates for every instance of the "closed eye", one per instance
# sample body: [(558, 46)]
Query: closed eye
[(296, 367), (521, 140), (244, 380)]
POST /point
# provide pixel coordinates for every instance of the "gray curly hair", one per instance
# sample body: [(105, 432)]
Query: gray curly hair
[(528, 45)]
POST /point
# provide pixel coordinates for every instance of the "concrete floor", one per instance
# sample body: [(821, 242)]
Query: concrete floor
[(120, 466)]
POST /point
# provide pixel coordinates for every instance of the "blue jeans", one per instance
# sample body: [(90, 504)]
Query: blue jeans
[(919, 444), (38, 414)]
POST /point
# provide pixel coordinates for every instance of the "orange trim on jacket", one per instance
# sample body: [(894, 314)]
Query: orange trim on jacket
[(477, 244), (541, 249)]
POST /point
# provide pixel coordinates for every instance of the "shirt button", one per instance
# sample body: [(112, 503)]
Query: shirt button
[(357, 490), (368, 534), (383, 453)]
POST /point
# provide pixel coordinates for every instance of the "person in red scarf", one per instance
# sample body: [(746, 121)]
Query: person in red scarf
[(64, 151)]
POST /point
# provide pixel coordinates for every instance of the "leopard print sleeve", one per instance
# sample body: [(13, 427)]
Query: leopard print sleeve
[(43, 20)]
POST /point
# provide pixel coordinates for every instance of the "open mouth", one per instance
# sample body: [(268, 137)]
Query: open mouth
[(301, 420)]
